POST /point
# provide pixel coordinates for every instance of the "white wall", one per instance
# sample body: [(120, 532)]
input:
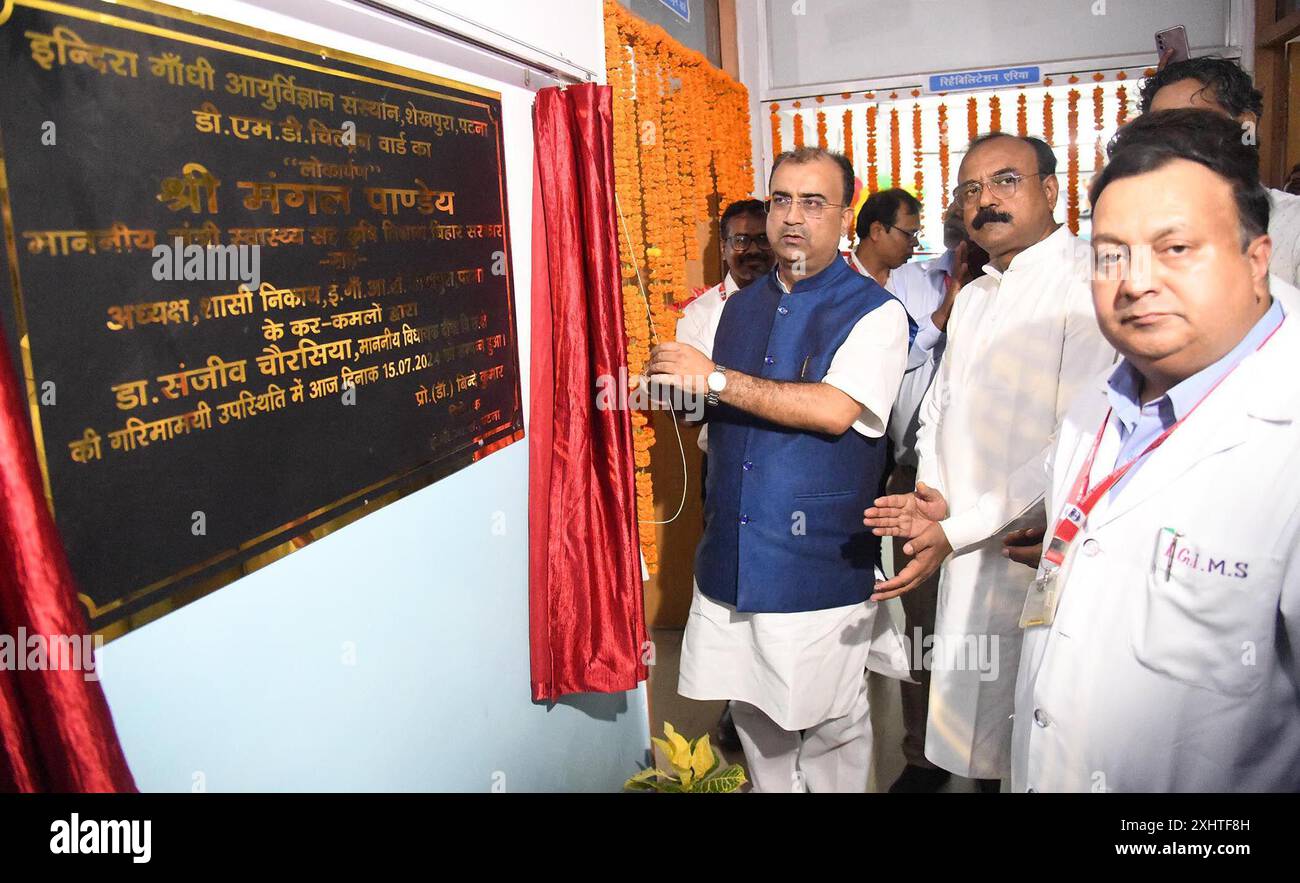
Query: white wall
[(248, 686), (571, 30), (836, 41), (801, 48)]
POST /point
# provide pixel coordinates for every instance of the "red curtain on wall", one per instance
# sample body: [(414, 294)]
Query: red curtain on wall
[(56, 733), (587, 622)]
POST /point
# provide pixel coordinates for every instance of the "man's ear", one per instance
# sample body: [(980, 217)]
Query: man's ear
[(1051, 190), (1258, 254), (846, 223)]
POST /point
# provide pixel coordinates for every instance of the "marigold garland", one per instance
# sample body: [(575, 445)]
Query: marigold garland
[(972, 119), (661, 92), (895, 150), (821, 123), (798, 127), (1121, 115), (1099, 125), (943, 155), (776, 130), (847, 125), (1072, 166), (1022, 115), (995, 114), (916, 155), (873, 182), (1048, 131)]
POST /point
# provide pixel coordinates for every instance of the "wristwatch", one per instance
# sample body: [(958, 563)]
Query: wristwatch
[(717, 382)]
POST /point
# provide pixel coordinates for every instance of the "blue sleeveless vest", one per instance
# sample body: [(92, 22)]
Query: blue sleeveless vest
[(783, 508)]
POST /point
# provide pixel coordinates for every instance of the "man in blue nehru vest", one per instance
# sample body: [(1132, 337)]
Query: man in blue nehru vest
[(806, 363)]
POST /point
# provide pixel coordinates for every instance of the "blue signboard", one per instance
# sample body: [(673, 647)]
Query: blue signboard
[(681, 7), (998, 78)]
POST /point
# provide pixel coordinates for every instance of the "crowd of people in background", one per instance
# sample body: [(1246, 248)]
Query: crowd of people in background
[(1081, 452)]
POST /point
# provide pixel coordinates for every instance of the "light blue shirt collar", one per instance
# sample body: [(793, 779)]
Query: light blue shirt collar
[(1124, 383)]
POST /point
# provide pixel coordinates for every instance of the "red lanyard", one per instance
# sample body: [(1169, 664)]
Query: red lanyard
[(1082, 500)]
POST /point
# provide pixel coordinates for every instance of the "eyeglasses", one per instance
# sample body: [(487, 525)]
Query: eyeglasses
[(739, 242), (811, 206), (1001, 186), (913, 235)]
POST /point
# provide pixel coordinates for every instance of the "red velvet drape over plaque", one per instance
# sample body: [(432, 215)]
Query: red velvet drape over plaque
[(587, 622), (56, 733)]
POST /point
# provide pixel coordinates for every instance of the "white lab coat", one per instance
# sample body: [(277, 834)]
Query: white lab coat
[(1188, 683), (1020, 345)]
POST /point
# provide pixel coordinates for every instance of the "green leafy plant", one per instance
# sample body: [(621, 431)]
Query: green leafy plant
[(697, 767)]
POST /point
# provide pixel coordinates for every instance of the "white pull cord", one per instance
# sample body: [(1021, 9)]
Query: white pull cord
[(646, 300)]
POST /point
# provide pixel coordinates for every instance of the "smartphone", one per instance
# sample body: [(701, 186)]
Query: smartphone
[(1174, 38)]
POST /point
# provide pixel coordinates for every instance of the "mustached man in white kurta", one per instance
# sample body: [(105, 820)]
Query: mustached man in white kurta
[(805, 365), (1021, 341), (1173, 659)]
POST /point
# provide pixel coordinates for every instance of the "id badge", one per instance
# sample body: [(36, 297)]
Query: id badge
[(1041, 600)]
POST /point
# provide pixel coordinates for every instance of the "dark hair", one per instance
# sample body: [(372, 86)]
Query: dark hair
[(737, 209), (1229, 85), (1042, 152), (811, 154), (1153, 140), (883, 207)]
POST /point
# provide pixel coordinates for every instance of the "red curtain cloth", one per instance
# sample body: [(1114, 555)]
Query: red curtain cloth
[(587, 622), (56, 733)]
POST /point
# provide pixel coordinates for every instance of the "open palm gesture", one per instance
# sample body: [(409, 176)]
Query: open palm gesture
[(906, 515)]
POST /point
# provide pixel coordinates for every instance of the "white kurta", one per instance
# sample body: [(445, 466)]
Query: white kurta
[(1181, 675), (805, 668), (1020, 345)]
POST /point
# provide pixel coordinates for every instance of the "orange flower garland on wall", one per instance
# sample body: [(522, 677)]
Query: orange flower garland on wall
[(1048, 131), (821, 124), (798, 126), (661, 93), (848, 135), (972, 119), (943, 155), (1098, 124), (873, 183), (1022, 115), (916, 151), (895, 149), (776, 130), (659, 263), (1072, 166), (995, 114), (1121, 95)]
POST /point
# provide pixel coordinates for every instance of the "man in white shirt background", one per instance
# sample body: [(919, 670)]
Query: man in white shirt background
[(747, 255), (1170, 660), (1021, 341), (1220, 85), (928, 290), (888, 229)]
